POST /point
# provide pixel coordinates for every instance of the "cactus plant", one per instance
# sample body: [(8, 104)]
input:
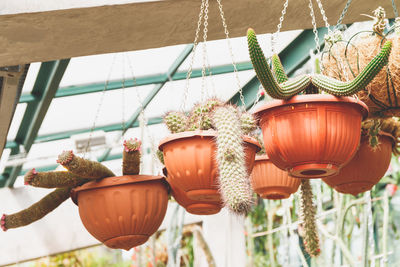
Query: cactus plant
[(80, 171), (277, 85), (311, 239), (230, 125), (233, 178), (131, 157)]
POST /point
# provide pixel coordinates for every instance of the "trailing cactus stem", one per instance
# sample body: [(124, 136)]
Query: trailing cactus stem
[(283, 90), (82, 167), (311, 239), (339, 88), (175, 121), (131, 157), (36, 211), (233, 178), (54, 179)]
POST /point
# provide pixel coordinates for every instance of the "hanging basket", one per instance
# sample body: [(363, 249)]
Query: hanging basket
[(366, 168), (190, 160), (122, 212), (346, 59), (193, 206), (271, 182), (311, 136)]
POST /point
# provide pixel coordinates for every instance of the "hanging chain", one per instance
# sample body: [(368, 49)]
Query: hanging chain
[(321, 9), (370, 226), (99, 106), (316, 38), (203, 69), (235, 71), (396, 13), (343, 14), (274, 36), (189, 73), (123, 92)]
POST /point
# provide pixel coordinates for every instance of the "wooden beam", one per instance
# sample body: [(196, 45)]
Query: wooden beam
[(51, 35)]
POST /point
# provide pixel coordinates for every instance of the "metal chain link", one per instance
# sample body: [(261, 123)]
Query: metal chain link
[(99, 106), (316, 38), (203, 69), (142, 113), (123, 92), (195, 42), (396, 13), (275, 35), (321, 9), (235, 71), (343, 14)]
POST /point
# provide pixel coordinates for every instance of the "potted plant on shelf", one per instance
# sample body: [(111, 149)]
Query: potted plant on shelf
[(209, 156), (132, 206), (344, 60), (269, 181), (369, 165), (311, 135)]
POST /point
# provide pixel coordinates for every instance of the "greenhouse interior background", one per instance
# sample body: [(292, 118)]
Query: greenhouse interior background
[(94, 77)]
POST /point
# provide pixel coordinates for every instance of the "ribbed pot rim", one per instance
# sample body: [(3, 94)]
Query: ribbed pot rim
[(203, 134), (262, 157), (313, 98), (113, 181)]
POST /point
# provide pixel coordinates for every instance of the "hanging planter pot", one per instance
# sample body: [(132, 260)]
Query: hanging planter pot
[(193, 206), (366, 168), (190, 160), (270, 182), (132, 208), (311, 136), (345, 59)]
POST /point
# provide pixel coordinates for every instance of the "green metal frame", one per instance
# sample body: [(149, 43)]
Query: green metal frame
[(293, 57), (44, 89), (140, 81)]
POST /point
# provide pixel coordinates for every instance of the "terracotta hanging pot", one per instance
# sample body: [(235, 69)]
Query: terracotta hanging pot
[(122, 212), (190, 160), (311, 136), (193, 206), (366, 168), (270, 182)]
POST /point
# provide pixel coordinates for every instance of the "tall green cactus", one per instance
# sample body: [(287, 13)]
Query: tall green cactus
[(233, 177), (278, 87)]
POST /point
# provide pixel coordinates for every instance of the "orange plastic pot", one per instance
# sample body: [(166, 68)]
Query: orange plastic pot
[(311, 136), (190, 160), (270, 182), (193, 206), (122, 212), (366, 168)]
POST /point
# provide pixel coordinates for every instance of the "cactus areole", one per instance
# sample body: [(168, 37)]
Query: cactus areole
[(311, 136)]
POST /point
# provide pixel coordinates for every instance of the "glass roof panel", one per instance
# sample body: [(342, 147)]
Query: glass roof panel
[(218, 51), (77, 112), (97, 68), (225, 87)]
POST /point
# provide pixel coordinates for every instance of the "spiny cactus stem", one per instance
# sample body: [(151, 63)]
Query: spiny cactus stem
[(29, 176), (83, 167), (131, 157), (65, 157)]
